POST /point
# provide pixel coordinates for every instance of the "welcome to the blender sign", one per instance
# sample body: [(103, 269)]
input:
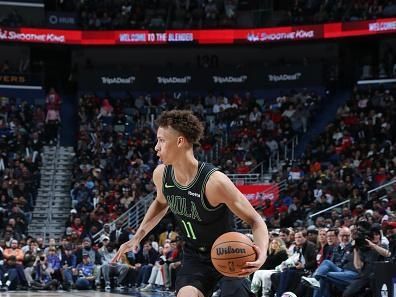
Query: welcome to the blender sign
[(11, 35)]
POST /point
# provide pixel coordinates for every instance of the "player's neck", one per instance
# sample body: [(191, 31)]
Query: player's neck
[(185, 169)]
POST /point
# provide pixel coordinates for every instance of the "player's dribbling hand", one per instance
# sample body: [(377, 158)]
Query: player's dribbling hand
[(125, 248), (251, 267)]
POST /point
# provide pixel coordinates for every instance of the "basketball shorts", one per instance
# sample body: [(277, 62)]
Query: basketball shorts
[(197, 271)]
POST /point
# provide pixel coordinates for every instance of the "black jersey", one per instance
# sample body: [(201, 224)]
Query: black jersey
[(200, 223)]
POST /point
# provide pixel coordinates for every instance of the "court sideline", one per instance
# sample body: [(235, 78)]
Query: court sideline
[(88, 293)]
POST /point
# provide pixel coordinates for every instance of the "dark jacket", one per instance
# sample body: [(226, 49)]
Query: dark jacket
[(309, 253), (150, 258), (274, 260)]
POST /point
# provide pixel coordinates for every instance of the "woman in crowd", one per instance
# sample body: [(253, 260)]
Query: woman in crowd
[(277, 253)]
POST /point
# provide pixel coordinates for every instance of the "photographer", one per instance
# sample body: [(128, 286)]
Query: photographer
[(42, 274), (367, 251)]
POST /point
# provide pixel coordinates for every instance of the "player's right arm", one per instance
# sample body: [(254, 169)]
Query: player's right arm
[(155, 213)]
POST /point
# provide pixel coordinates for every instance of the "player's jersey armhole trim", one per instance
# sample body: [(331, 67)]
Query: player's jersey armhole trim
[(164, 178), (203, 201)]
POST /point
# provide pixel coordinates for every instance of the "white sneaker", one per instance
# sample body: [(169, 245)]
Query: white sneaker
[(107, 287), (311, 281), (147, 288)]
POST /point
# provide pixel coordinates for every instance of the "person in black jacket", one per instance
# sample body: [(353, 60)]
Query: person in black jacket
[(115, 235), (145, 260), (277, 253), (303, 262)]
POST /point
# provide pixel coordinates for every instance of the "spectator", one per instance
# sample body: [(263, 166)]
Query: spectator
[(168, 234), (86, 273), (277, 253), (52, 120), (145, 260), (69, 264), (301, 261), (120, 270), (157, 273)]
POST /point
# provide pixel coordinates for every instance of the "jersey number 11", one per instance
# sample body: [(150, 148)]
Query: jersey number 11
[(189, 229)]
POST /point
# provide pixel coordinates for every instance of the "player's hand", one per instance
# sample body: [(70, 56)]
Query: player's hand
[(251, 267), (125, 248)]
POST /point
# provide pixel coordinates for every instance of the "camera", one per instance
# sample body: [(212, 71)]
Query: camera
[(42, 258), (162, 260), (363, 232)]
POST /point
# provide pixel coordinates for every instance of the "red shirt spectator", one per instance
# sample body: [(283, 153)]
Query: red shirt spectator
[(381, 177), (77, 226), (268, 209), (242, 168)]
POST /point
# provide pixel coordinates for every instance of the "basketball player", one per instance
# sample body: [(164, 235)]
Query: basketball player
[(201, 199)]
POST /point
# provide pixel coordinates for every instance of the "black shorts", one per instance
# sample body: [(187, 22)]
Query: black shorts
[(197, 271)]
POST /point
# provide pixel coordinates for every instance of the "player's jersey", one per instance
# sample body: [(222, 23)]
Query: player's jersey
[(200, 223)]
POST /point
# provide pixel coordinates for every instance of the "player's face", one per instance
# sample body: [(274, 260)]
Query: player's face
[(167, 144)]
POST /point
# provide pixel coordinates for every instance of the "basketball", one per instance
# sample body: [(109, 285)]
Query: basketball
[(230, 252)]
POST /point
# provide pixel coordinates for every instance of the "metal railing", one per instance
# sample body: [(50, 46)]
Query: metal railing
[(384, 186), (329, 208), (283, 154), (132, 217), (243, 179), (290, 148)]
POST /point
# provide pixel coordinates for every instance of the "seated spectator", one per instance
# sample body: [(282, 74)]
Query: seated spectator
[(15, 251), (342, 270), (86, 273), (157, 274), (168, 234), (120, 270), (39, 275), (10, 274), (69, 265), (87, 249), (145, 260), (313, 235), (54, 264), (277, 253), (300, 263)]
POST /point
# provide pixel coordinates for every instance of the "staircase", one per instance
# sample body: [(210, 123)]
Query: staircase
[(53, 202), (326, 115)]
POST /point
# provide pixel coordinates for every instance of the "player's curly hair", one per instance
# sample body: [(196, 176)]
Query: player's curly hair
[(183, 121)]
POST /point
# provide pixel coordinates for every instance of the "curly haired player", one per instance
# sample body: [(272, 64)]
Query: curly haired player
[(201, 199)]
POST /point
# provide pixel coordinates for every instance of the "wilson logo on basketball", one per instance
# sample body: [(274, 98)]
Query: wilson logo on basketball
[(229, 250)]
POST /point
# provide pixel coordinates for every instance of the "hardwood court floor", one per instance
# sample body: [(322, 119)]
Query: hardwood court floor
[(91, 293)]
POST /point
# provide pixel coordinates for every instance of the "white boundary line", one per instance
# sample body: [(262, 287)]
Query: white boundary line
[(24, 4), (21, 87), (376, 81)]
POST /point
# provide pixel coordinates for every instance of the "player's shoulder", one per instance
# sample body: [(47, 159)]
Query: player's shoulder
[(159, 171), (218, 177)]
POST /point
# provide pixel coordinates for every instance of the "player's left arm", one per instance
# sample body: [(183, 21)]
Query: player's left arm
[(220, 189)]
